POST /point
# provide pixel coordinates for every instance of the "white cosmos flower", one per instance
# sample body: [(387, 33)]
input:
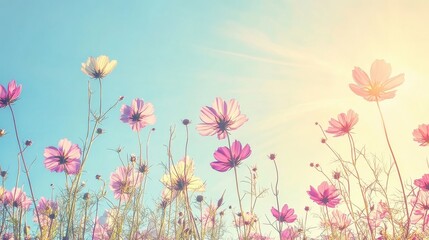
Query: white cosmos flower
[(98, 67)]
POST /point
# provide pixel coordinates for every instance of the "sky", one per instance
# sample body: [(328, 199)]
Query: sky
[(288, 64)]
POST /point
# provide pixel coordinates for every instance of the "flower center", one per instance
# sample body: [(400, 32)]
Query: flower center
[(136, 117), (325, 200), (223, 124), (180, 184), (62, 159)]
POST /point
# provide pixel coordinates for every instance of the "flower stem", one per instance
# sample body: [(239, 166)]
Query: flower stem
[(276, 194), (26, 169), (397, 170)]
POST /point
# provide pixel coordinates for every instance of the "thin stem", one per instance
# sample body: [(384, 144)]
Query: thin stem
[(354, 160), (397, 170), (237, 189), (25, 167), (276, 194)]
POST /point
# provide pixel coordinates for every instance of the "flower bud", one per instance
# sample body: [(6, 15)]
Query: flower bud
[(28, 143), (200, 198)]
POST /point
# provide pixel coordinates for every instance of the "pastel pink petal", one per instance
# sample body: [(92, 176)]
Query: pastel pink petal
[(380, 71), (205, 130), (358, 90), (64, 145), (72, 167), (51, 152), (387, 95), (218, 106), (150, 120), (74, 152), (207, 115), (238, 122), (233, 109), (393, 82), (221, 135), (360, 77), (220, 166)]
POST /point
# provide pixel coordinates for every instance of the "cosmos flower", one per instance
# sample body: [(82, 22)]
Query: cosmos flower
[(224, 159), (286, 215), (423, 183), (181, 178), (16, 198), (9, 96), (289, 234), (256, 236), (98, 67), (209, 217), (325, 195), (380, 86), (64, 158), (344, 124), (420, 204), (220, 119), (421, 134), (124, 181), (48, 211), (138, 115), (340, 220), (247, 219)]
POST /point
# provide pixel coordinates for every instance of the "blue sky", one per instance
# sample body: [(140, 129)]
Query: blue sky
[(288, 63)]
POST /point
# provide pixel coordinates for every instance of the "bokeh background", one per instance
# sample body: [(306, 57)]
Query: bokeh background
[(288, 63)]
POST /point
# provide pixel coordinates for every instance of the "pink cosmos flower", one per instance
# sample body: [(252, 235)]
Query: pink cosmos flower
[(421, 134), (289, 234), (220, 119), (256, 236), (286, 215), (64, 158), (344, 124), (101, 231), (48, 211), (224, 159), (138, 115), (124, 181), (421, 207), (17, 198), (208, 219), (9, 96), (340, 220), (379, 86), (325, 195), (8, 236), (423, 183)]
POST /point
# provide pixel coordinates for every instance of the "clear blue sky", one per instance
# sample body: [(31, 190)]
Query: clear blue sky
[(288, 63)]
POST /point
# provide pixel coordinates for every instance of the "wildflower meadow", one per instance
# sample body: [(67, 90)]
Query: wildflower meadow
[(119, 166)]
